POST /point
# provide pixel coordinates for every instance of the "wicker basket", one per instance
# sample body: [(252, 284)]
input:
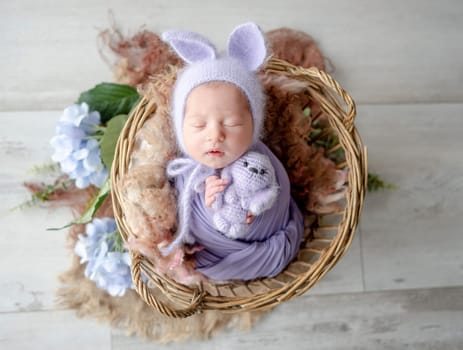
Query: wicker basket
[(330, 235)]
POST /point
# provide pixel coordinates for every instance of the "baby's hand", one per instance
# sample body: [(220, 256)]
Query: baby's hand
[(249, 218), (214, 185)]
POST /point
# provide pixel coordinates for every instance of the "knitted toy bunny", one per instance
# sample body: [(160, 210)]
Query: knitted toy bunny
[(252, 188)]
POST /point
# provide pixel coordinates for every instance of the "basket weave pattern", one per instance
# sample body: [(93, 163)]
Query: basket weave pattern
[(327, 236)]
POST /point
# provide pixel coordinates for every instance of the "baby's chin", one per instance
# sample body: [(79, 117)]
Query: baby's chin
[(216, 160)]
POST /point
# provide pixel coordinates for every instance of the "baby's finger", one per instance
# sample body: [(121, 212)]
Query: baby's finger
[(249, 218), (211, 179), (214, 189), (209, 200), (222, 181), (215, 180), (218, 188)]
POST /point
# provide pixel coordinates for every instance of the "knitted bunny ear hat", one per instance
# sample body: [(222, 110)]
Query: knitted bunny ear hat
[(245, 54)]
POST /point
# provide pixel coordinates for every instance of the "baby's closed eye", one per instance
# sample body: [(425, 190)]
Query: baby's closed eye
[(231, 122), (198, 126)]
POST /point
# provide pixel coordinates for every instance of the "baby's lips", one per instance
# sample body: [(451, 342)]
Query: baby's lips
[(215, 153)]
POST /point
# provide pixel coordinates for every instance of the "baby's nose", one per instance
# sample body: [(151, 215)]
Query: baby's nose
[(216, 133)]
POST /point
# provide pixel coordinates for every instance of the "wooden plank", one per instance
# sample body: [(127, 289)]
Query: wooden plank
[(32, 257), (346, 276), (24, 143), (394, 51), (411, 236), (411, 319), (51, 330)]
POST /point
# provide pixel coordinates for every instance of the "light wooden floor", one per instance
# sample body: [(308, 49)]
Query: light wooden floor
[(400, 286)]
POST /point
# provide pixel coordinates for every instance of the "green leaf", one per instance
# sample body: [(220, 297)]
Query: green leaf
[(315, 133), (109, 139), (110, 99), (375, 183), (94, 206), (49, 168), (307, 111)]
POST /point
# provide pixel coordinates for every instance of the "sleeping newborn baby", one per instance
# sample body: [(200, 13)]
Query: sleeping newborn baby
[(247, 225)]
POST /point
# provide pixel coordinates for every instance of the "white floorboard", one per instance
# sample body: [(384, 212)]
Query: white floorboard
[(415, 319), (384, 51), (346, 276), (411, 236), (51, 330), (31, 257)]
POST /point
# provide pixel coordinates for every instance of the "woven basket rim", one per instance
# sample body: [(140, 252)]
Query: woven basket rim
[(189, 300)]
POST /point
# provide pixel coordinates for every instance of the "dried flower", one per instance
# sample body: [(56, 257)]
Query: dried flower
[(77, 153), (108, 263)]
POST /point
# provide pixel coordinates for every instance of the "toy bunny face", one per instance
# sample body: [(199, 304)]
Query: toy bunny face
[(254, 170), (217, 128), (245, 54)]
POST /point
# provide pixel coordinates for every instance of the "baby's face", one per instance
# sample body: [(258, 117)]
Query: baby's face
[(217, 127)]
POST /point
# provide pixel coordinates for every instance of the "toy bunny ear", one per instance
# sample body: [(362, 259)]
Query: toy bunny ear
[(247, 44), (191, 47)]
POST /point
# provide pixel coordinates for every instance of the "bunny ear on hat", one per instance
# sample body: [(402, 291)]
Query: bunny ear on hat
[(191, 47), (247, 44)]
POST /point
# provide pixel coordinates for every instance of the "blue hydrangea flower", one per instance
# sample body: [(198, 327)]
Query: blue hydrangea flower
[(77, 154), (107, 266)]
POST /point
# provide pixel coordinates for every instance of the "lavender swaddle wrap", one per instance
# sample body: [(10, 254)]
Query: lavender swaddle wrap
[(271, 243)]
